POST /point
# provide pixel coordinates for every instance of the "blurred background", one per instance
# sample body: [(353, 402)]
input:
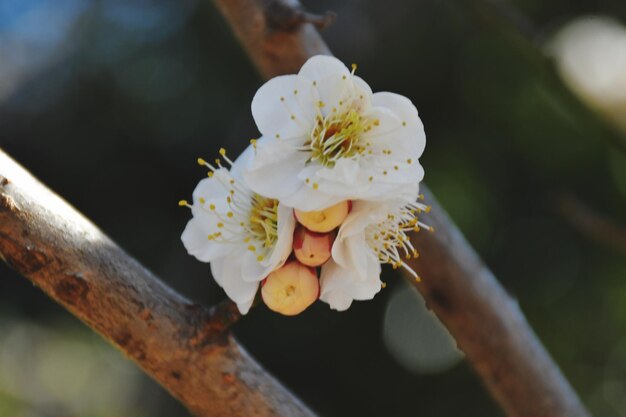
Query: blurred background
[(110, 102)]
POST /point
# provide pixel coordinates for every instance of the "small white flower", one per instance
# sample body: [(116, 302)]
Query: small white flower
[(243, 235), (327, 138), (374, 233)]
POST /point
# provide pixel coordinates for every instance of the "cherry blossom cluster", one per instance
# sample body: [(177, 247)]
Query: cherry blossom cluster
[(315, 206)]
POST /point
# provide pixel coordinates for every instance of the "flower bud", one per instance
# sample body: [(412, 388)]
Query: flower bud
[(290, 289), (311, 248), (324, 220)]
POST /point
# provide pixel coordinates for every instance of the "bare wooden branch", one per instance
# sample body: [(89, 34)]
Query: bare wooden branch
[(486, 322), (266, 30), (184, 346), (591, 223)]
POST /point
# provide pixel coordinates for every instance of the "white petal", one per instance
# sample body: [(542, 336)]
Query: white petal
[(210, 189), (329, 81), (284, 242), (340, 286), (276, 102), (352, 254), (388, 120), (362, 87), (227, 274), (363, 214), (306, 198), (251, 269), (274, 173), (195, 239), (321, 66), (406, 111), (243, 162), (345, 172), (332, 289)]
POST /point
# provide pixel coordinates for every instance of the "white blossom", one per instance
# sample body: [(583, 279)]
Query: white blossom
[(244, 235), (374, 233), (327, 138)]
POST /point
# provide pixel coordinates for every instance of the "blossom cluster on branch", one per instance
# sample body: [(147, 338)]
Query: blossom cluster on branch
[(327, 194)]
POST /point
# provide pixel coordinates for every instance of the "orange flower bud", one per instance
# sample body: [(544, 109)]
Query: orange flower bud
[(290, 289), (324, 220), (312, 248)]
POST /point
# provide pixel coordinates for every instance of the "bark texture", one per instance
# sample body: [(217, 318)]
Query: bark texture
[(185, 347)]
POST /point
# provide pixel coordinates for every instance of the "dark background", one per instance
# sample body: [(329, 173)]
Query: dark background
[(110, 102)]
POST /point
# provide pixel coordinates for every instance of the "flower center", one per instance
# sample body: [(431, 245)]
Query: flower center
[(338, 135), (263, 220)]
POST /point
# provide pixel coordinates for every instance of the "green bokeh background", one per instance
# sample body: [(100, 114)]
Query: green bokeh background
[(116, 100)]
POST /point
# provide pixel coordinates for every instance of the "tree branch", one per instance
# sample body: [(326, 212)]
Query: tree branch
[(591, 223), (184, 346), (486, 322), (260, 25)]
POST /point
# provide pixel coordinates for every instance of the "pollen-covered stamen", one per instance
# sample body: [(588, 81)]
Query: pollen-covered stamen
[(263, 220), (389, 239), (338, 135)]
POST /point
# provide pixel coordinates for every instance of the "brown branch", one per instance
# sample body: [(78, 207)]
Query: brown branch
[(257, 24), (486, 322), (184, 346), (591, 223)]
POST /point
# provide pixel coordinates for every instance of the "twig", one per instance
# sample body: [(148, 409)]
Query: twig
[(184, 346), (590, 223), (257, 25), (487, 323), (281, 16)]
